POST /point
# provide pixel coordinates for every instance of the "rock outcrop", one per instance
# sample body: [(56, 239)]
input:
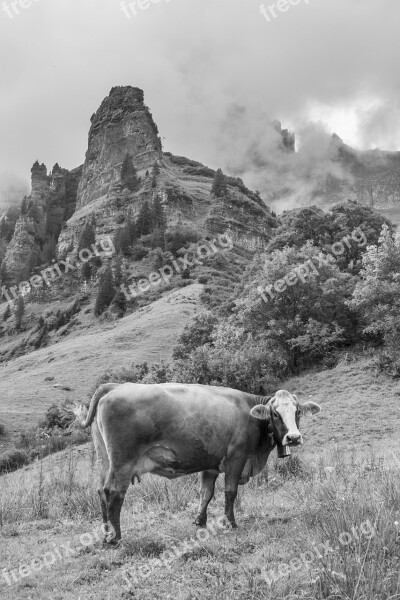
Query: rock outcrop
[(51, 203), (123, 124)]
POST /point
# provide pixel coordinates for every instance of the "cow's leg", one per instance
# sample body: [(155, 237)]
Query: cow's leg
[(115, 488), (104, 466), (207, 485), (233, 471)]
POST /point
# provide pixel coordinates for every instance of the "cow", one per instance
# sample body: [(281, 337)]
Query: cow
[(175, 429)]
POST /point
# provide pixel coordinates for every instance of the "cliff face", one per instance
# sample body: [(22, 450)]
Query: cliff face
[(122, 124), (51, 203)]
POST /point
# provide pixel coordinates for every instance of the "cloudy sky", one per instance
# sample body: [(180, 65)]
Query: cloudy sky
[(199, 62)]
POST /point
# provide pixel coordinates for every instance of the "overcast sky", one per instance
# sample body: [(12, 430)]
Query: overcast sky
[(198, 62)]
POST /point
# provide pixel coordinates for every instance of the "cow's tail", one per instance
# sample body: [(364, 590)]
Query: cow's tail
[(85, 415)]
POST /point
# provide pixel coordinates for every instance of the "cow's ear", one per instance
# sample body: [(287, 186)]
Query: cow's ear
[(260, 412), (309, 408)]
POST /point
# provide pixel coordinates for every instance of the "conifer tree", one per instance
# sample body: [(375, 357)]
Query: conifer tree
[(3, 229), (144, 223), (86, 271), (106, 290), (219, 187), (118, 271), (120, 302), (19, 312), (24, 206), (159, 218), (129, 178), (7, 312), (87, 237)]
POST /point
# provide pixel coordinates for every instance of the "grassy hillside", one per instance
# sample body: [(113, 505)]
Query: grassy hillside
[(148, 334), (393, 214), (324, 527)]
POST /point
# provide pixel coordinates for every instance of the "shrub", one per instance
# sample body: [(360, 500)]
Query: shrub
[(2, 429), (57, 416), (195, 334), (13, 460)]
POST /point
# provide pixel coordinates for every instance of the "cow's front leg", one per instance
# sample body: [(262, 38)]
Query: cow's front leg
[(207, 486), (233, 471)]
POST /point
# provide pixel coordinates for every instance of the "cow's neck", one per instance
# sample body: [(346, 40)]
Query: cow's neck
[(266, 441)]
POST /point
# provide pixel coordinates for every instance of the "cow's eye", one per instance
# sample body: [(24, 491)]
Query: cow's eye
[(276, 414)]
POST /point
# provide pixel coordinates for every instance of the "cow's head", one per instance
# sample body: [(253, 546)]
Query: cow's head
[(283, 414)]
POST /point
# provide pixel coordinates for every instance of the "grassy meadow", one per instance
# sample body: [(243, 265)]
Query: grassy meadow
[(324, 524)]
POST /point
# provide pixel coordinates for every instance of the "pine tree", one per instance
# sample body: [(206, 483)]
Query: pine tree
[(156, 168), (106, 291), (4, 276), (49, 250), (120, 302), (24, 206), (144, 223), (33, 212), (87, 237), (3, 229), (129, 178), (7, 312), (131, 226), (159, 218), (118, 271), (19, 312), (86, 271), (219, 187)]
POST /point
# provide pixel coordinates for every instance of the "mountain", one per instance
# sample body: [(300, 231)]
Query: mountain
[(62, 201)]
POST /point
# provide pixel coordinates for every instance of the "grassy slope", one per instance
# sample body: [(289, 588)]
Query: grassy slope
[(148, 334), (277, 520), (393, 214)]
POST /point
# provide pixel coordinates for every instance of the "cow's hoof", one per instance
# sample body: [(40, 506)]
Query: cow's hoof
[(111, 543)]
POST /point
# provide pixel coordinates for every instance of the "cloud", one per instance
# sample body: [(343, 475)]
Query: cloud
[(199, 62), (12, 189)]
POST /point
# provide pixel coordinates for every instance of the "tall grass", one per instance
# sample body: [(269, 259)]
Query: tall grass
[(321, 505)]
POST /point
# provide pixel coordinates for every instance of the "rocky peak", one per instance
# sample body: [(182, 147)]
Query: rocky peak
[(122, 124)]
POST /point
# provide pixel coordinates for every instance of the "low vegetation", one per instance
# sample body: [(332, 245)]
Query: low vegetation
[(313, 532)]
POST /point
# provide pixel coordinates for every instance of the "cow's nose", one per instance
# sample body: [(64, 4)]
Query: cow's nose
[(293, 438)]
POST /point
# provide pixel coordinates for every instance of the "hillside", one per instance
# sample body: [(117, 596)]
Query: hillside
[(27, 383), (100, 208)]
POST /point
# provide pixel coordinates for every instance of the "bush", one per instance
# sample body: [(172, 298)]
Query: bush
[(195, 334), (2, 429), (13, 460), (57, 416)]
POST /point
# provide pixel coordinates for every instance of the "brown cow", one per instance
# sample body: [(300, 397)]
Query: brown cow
[(173, 429)]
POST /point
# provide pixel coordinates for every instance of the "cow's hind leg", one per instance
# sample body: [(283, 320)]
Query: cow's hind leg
[(207, 485), (115, 488), (104, 467)]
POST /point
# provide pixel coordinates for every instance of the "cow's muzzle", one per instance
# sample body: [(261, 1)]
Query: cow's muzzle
[(292, 439)]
